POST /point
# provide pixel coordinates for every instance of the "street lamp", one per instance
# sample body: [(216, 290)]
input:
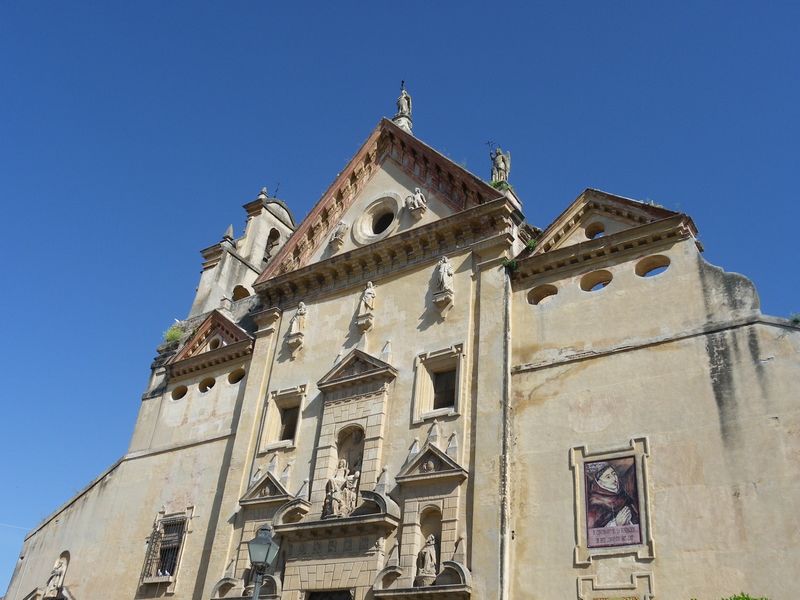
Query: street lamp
[(263, 551)]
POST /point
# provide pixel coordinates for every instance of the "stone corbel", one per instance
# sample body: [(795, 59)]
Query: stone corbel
[(443, 301), (417, 212), (364, 322), (295, 341)]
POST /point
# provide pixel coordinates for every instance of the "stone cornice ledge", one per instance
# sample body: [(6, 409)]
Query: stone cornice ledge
[(439, 592), (207, 360), (671, 229), (393, 254), (342, 527)]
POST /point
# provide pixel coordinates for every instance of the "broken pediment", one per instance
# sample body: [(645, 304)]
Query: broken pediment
[(356, 369), (394, 183), (216, 341), (265, 491), (596, 214), (430, 464)]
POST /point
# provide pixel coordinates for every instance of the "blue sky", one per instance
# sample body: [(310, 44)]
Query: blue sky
[(132, 132)]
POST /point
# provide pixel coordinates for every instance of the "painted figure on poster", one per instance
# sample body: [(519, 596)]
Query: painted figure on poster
[(612, 502)]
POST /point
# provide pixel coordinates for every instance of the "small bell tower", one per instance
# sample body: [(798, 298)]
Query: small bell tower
[(231, 266)]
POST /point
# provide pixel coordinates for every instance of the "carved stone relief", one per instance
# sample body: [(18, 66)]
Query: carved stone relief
[(417, 204)]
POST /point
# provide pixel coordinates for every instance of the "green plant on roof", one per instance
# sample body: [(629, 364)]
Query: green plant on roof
[(531, 244), (795, 318), (174, 333)]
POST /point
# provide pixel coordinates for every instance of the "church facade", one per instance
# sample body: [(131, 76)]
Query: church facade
[(420, 395)]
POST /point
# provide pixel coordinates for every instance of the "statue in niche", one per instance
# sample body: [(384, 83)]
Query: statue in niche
[(417, 200), (404, 103), (56, 579), (341, 492), (426, 562), (444, 275), (367, 299), (501, 165), (337, 236), (298, 322)]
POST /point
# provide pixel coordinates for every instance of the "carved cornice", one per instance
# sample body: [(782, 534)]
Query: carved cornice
[(392, 254), (330, 528), (456, 186), (625, 242), (595, 200), (209, 359)]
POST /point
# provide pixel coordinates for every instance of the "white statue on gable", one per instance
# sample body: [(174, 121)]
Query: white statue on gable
[(404, 103), (367, 299), (56, 579), (416, 203), (444, 275), (298, 322), (501, 165), (338, 234)]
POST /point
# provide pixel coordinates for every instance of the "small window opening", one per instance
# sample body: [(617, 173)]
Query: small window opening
[(444, 389), (214, 343), (206, 384), (272, 241), (652, 265), (381, 222), (236, 376), (179, 392), (289, 422), (595, 230), (597, 280), (240, 292), (542, 294)]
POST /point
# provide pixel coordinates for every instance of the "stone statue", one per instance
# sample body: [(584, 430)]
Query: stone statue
[(341, 492), (298, 322), (56, 579), (417, 200), (501, 165), (444, 275), (426, 561), (368, 299), (337, 236), (404, 104)]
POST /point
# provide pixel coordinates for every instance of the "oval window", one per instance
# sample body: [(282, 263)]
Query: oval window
[(206, 384), (236, 376), (541, 294), (596, 280), (652, 265), (179, 392), (595, 230)]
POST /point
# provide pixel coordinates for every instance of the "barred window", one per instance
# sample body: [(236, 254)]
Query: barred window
[(163, 549)]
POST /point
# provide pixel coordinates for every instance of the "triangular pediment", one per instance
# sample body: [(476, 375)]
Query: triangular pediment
[(356, 368), (594, 214), (266, 489), (380, 179), (430, 463), (216, 340)]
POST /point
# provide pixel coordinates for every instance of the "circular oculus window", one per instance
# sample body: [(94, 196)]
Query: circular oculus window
[(379, 219)]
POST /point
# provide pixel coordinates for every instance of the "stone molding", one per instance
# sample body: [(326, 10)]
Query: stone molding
[(602, 202), (431, 170), (402, 250), (641, 587), (590, 252)]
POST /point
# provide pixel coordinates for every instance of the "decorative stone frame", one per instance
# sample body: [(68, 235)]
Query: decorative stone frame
[(425, 365), (163, 517), (384, 202), (641, 586), (638, 448), (277, 401)]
